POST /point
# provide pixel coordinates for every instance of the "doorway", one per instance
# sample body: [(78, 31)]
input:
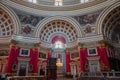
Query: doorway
[(22, 70), (94, 68)]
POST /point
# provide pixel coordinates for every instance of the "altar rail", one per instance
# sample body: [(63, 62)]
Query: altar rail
[(98, 78), (112, 75), (26, 78), (101, 74)]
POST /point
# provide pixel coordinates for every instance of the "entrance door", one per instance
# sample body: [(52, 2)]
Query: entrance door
[(22, 70), (94, 67)]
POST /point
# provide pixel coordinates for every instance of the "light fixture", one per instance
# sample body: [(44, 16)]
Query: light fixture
[(59, 64)]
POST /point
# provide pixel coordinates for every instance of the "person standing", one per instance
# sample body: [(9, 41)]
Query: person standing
[(3, 76)]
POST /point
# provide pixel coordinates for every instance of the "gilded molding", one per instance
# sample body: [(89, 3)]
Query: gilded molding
[(80, 45), (13, 42), (105, 43), (67, 50), (37, 44), (102, 42)]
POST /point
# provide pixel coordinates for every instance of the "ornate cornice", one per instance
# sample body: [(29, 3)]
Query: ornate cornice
[(13, 42), (93, 58), (37, 44), (25, 39), (105, 43), (23, 59), (80, 45), (90, 38), (78, 9)]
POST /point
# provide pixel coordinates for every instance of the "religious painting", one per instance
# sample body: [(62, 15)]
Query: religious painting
[(89, 29), (27, 29), (88, 18), (24, 52), (92, 51), (29, 19)]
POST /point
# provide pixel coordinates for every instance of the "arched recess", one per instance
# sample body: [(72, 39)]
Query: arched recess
[(68, 19), (103, 16), (13, 19), (42, 23)]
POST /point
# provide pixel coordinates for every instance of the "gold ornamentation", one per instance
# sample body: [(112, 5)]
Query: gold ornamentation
[(30, 67), (102, 42), (14, 67), (67, 50), (37, 44), (80, 45), (13, 42), (104, 67)]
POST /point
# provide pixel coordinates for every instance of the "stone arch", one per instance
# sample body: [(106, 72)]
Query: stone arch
[(13, 17), (103, 15), (68, 19)]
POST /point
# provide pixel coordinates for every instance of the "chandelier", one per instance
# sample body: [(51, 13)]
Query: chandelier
[(59, 64)]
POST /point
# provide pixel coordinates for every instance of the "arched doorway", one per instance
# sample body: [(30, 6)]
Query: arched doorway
[(109, 27)]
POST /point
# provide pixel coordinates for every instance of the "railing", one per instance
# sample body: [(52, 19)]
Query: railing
[(26, 78), (101, 74), (112, 75)]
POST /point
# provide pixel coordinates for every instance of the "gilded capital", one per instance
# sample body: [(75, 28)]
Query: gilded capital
[(103, 42), (67, 50), (13, 42), (80, 45), (37, 44)]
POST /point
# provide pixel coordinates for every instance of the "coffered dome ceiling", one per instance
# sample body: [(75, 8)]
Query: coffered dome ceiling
[(6, 24), (111, 25), (9, 23), (60, 28)]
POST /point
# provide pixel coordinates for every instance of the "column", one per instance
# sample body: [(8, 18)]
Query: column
[(77, 63), (78, 69), (34, 56), (68, 62), (12, 56), (49, 53), (4, 62), (74, 71), (39, 67), (45, 70), (103, 56), (71, 67), (81, 51)]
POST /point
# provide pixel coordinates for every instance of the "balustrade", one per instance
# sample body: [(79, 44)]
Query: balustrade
[(26, 78)]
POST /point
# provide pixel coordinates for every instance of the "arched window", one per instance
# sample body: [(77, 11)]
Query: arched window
[(59, 44), (58, 2)]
